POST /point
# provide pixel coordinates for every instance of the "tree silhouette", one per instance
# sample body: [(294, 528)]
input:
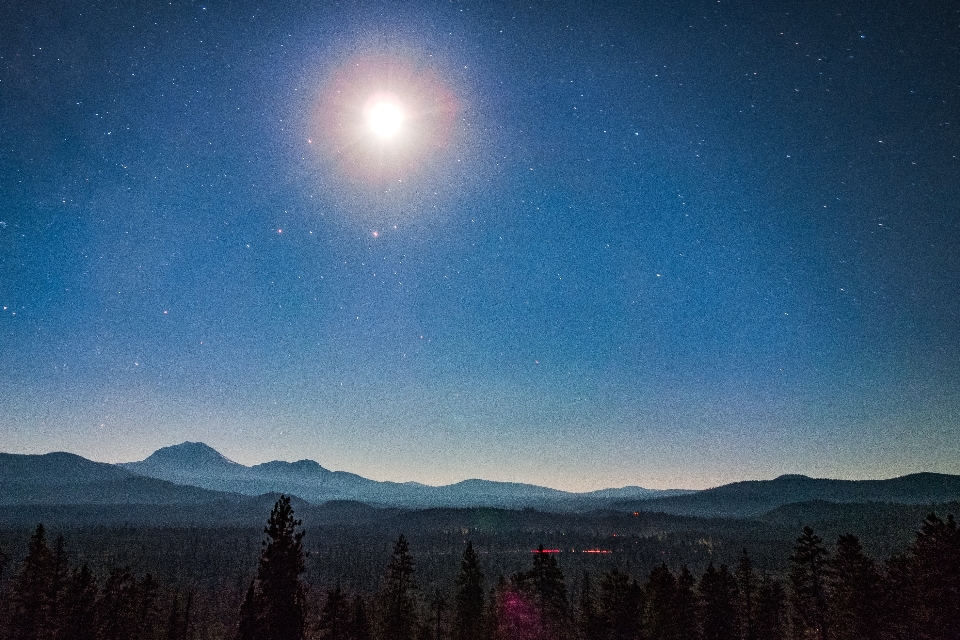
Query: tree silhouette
[(808, 584), (360, 628), (398, 613), (718, 594), (932, 592), (468, 622), (31, 591), (621, 607), (550, 594), (334, 620), (769, 622), (746, 580), (275, 605), (79, 609), (661, 622), (855, 592)]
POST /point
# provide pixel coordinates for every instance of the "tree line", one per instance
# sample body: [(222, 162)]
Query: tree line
[(832, 592)]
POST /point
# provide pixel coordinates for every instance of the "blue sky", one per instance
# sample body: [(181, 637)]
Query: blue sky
[(667, 244)]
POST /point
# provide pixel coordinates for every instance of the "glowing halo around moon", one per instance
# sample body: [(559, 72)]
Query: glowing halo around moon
[(382, 120)]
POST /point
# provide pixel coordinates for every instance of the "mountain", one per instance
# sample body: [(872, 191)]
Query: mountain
[(64, 478), (200, 465), (752, 498)]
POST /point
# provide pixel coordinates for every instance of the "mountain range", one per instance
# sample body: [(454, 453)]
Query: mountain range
[(191, 479), (199, 465)]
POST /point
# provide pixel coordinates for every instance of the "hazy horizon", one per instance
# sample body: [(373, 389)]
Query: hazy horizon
[(252, 463)]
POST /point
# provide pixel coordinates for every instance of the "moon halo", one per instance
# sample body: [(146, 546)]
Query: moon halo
[(382, 119)]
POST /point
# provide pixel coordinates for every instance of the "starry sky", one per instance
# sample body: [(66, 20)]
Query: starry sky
[(671, 244)]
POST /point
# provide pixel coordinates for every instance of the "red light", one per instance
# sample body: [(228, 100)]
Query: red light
[(545, 551)]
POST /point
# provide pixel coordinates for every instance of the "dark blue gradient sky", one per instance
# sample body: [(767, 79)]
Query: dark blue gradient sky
[(671, 244)]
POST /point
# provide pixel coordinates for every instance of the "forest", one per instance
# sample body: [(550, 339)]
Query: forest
[(466, 583)]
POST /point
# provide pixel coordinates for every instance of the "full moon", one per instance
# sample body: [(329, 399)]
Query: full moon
[(382, 120), (384, 115)]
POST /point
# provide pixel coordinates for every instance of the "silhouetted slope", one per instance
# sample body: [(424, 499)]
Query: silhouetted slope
[(65, 478), (753, 498)]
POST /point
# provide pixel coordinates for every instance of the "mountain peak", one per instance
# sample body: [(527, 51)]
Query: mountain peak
[(190, 455)]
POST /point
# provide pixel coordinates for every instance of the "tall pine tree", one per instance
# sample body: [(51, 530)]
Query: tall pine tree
[(334, 623), (660, 613), (30, 597), (275, 605), (855, 592), (398, 605), (79, 607), (620, 603), (746, 580), (933, 580), (718, 597), (808, 585), (468, 621), (770, 610), (550, 594)]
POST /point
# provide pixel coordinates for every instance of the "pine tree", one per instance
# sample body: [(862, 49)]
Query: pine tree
[(58, 581), (621, 606), (855, 592), (718, 595), (661, 622), (808, 584), (360, 628), (275, 605), (398, 610), (469, 621), (247, 628), (550, 594), (746, 580), (117, 619), (933, 568), (281, 563), (334, 620), (590, 623), (770, 611), (30, 596), (685, 606), (80, 606)]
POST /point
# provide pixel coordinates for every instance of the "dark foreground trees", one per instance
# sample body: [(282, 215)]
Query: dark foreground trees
[(834, 591), (275, 605), (469, 622), (397, 603)]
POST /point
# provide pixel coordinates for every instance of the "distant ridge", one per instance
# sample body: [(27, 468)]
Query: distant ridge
[(198, 464), (752, 498), (65, 478)]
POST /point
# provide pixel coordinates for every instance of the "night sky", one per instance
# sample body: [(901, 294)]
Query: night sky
[(672, 244)]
